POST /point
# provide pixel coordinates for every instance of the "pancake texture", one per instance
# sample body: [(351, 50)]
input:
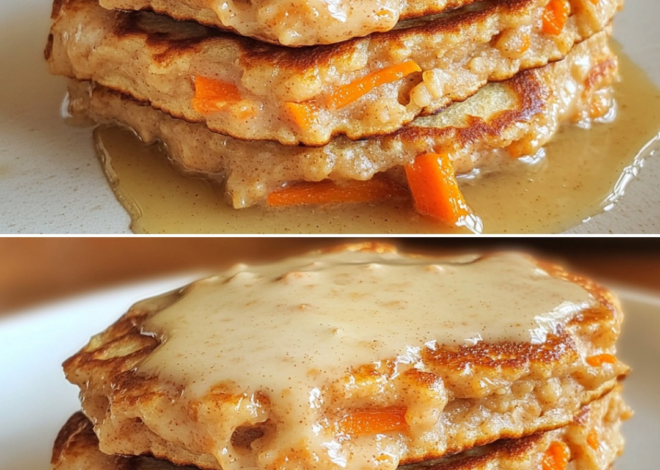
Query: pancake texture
[(594, 440), (308, 95), (456, 396), (294, 23), (501, 122)]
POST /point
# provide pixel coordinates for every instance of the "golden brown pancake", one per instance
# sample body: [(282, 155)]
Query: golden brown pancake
[(593, 439), (306, 95), (486, 132), (348, 357)]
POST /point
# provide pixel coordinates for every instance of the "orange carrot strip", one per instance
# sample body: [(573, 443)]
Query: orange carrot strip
[(374, 421), (598, 108), (302, 114), (526, 42), (346, 94), (601, 359), (212, 95), (592, 439), (556, 457), (595, 2), (434, 188), (520, 148), (327, 192), (555, 16)]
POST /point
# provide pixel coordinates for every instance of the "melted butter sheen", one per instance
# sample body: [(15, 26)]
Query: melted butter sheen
[(266, 327)]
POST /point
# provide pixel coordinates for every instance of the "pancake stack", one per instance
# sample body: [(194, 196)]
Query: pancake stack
[(312, 102), (275, 368)]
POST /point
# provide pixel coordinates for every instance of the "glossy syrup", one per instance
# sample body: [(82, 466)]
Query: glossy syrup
[(584, 172)]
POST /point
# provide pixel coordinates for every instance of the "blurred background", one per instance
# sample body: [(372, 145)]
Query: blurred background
[(35, 271)]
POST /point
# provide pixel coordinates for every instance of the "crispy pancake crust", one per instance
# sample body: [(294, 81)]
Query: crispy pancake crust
[(522, 113), (77, 446), (155, 59), (512, 389)]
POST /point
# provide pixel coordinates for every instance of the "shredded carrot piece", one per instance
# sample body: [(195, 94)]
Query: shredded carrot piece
[(598, 108), (592, 439), (601, 359), (213, 95), (374, 421), (555, 16), (328, 192), (520, 148), (526, 42), (346, 94), (556, 457), (434, 188), (595, 2), (303, 114)]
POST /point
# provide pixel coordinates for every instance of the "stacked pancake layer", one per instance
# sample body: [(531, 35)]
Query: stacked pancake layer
[(511, 118), (479, 82), (594, 438), (160, 61), (277, 367), (293, 23)]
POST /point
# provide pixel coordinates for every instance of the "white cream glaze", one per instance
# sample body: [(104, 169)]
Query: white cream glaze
[(265, 327)]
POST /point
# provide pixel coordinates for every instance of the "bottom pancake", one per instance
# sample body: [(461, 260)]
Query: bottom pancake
[(591, 442), (502, 121)]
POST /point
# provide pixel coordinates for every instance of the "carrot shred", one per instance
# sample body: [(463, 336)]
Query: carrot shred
[(556, 457), (599, 108), (213, 95), (434, 188), (592, 439), (601, 359), (373, 421), (346, 94), (555, 16), (328, 192), (302, 114), (595, 2), (524, 47), (520, 148)]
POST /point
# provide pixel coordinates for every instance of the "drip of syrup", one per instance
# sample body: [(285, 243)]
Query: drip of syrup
[(584, 173)]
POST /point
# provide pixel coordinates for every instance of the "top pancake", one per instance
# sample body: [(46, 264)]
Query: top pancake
[(294, 22), (336, 357), (308, 95)]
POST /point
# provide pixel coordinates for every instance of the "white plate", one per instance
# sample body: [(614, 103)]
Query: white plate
[(36, 400), (50, 181)]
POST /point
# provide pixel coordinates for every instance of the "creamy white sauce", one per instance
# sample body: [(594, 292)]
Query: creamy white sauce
[(287, 329), (265, 327)]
